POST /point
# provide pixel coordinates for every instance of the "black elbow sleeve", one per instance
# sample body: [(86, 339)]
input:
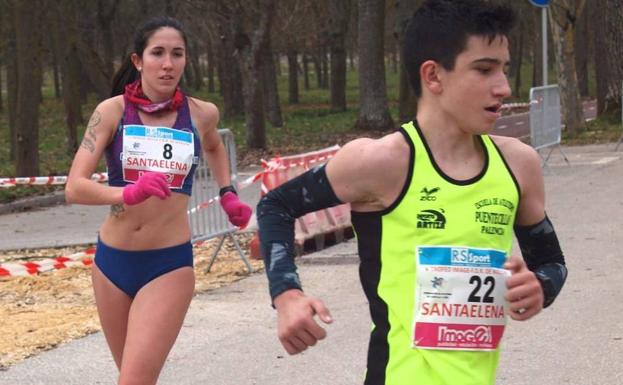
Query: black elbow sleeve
[(276, 213), (541, 250)]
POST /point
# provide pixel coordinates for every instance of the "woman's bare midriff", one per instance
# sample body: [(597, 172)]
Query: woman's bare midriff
[(153, 224)]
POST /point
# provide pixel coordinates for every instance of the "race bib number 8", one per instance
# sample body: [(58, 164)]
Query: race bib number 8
[(160, 149), (459, 301)]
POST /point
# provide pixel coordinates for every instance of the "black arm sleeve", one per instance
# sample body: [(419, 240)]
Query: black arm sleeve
[(541, 251), (276, 213)]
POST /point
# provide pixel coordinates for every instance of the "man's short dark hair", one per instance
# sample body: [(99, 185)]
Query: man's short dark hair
[(439, 30)]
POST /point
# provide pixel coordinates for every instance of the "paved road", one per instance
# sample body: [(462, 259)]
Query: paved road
[(518, 125), (229, 334)]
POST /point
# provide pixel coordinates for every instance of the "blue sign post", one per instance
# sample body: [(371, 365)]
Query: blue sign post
[(540, 3), (543, 5)]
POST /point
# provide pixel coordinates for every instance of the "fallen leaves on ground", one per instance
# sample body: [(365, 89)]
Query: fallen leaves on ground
[(42, 311)]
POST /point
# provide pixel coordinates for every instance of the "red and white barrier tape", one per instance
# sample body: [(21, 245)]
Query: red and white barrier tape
[(46, 180), (308, 159), (276, 163), (510, 106), (14, 269)]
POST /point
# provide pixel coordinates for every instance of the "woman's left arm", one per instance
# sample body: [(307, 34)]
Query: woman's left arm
[(206, 118), (206, 115)]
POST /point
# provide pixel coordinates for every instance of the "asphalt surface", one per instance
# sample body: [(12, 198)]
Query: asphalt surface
[(229, 334)]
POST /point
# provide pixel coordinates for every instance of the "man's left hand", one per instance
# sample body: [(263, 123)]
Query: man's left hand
[(524, 295)]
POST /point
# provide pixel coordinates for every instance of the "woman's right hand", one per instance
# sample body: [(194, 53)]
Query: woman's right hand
[(148, 184)]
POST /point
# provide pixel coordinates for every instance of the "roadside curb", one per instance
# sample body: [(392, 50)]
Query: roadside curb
[(52, 199), (58, 197)]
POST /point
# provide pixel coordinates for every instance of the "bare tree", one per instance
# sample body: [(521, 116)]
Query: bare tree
[(1, 85), (10, 61), (293, 76), (407, 102), (582, 52), (228, 66), (272, 106), (373, 113), (250, 28), (614, 54), (602, 72), (563, 17), (339, 14), (211, 64), (295, 35), (106, 10), (537, 49), (29, 60), (64, 23)]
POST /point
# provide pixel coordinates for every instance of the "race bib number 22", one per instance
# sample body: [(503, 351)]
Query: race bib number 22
[(459, 302)]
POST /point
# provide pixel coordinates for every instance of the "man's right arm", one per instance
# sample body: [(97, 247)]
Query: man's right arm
[(276, 213)]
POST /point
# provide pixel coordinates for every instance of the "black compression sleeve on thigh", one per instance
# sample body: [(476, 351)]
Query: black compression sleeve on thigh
[(541, 251), (276, 213)]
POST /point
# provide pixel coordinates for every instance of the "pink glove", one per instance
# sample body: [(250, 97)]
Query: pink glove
[(238, 212), (148, 184)]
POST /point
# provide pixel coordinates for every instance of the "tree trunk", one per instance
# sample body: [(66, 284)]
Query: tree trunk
[(65, 24), (56, 73), (250, 45), (581, 53), (196, 68), (253, 105), (393, 57), (563, 30), (318, 68), (373, 113), (600, 55), (1, 88), (537, 53), (305, 58), (7, 29), (106, 11), (221, 77), (614, 43), (325, 68), (230, 77), (12, 73), (211, 61), (351, 60), (93, 68), (407, 102), (339, 14), (29, 57), (271, 92), (293, 77), (277, 63)]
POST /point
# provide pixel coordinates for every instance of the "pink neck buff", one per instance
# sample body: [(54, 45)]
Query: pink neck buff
[(134, 94)]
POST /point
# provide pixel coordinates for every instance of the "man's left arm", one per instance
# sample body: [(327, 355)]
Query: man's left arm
[(536, 236)]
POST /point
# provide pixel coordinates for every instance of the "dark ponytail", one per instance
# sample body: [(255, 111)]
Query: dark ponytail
[(128, 73)]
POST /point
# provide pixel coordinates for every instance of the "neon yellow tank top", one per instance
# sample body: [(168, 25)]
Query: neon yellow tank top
[(431, 269)]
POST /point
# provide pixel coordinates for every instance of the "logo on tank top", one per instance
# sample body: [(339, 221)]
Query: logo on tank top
[(427, 195), (494, 215), (431, 219)]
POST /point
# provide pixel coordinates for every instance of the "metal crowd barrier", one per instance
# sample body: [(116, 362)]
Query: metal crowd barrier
[(211, 221), (545, 119)]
